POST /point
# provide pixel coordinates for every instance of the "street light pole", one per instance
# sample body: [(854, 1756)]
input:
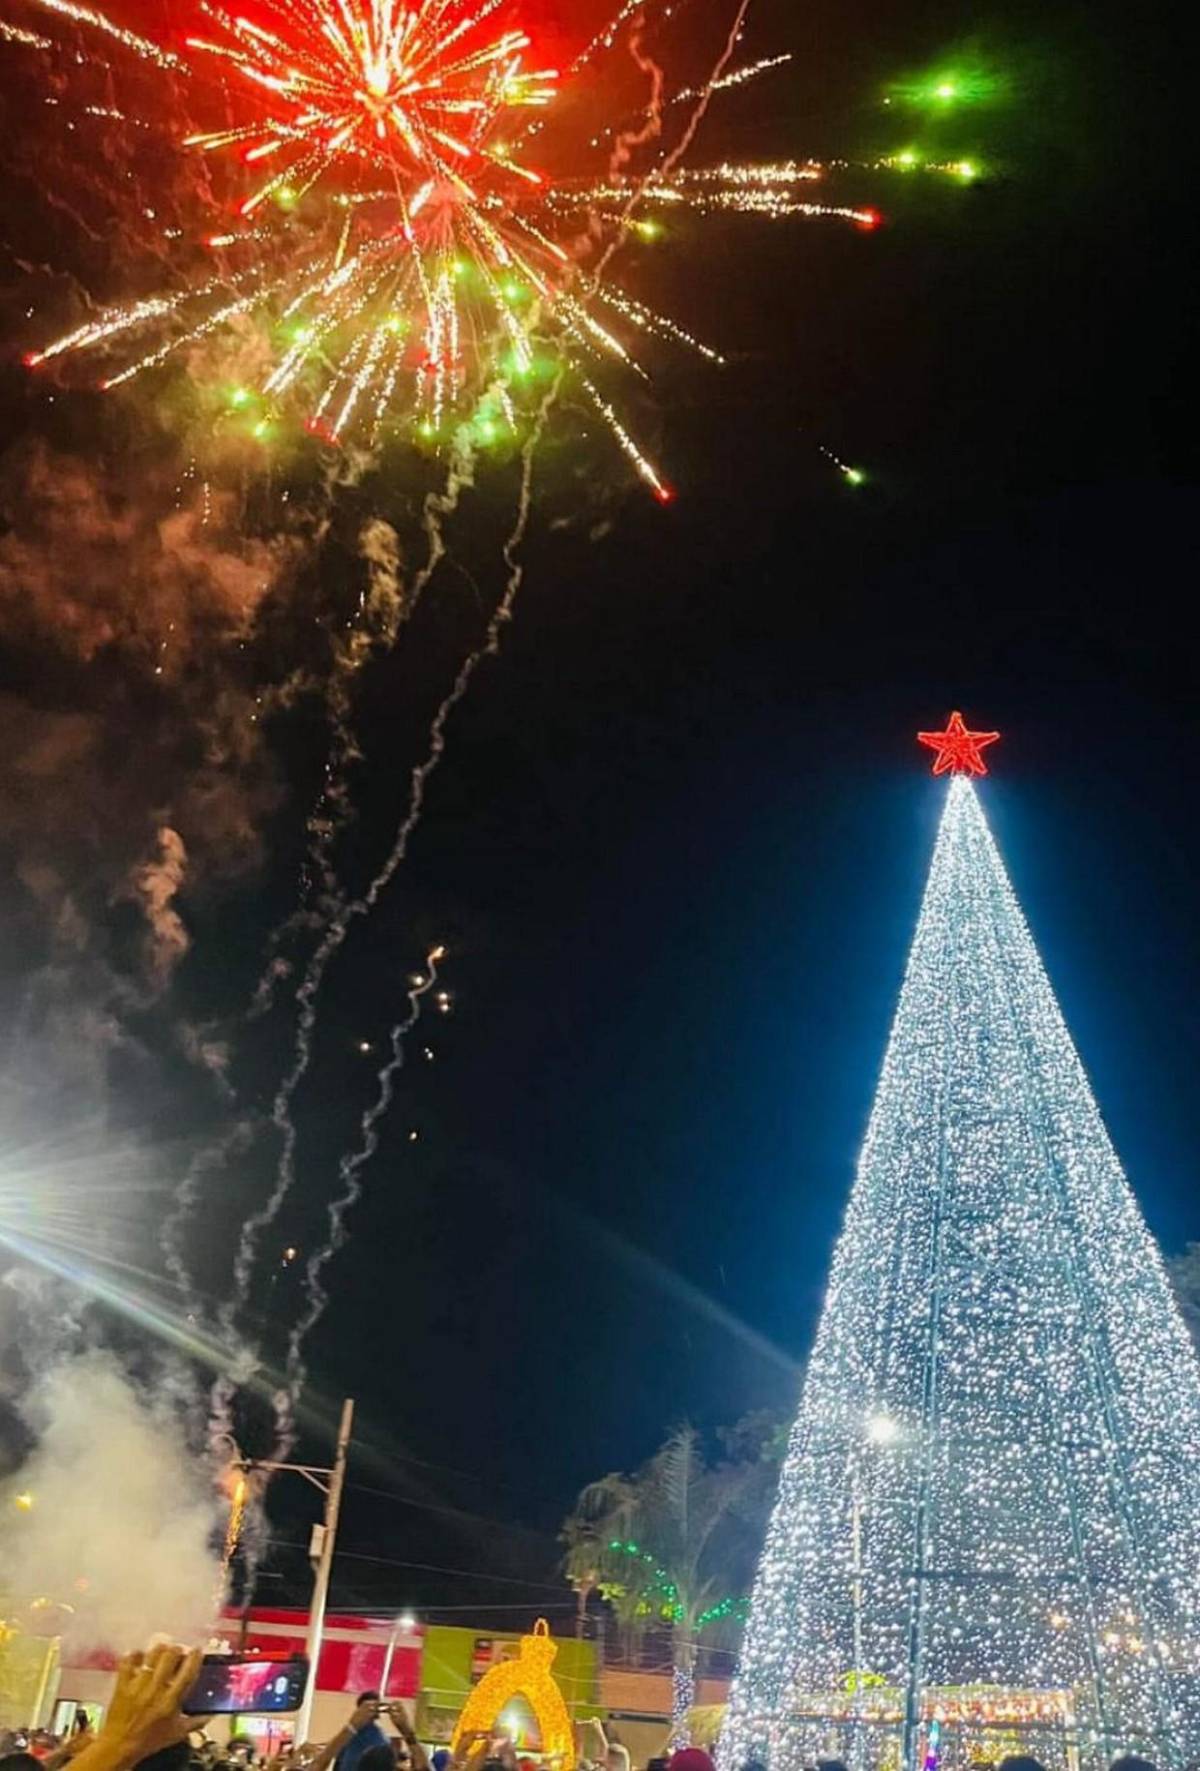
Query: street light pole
[(404, 1621), (856, 1542), (880, 1430)]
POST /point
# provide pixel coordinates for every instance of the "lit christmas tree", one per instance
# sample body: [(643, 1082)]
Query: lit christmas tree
[(987, 1535)]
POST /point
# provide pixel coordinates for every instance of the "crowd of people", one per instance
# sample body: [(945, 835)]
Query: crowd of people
[(146, 1727)]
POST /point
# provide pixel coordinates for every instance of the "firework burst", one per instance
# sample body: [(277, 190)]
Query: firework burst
[(415, 90), (413, 268)]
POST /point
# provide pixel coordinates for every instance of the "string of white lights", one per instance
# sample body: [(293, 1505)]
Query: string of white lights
[(987, 1534)]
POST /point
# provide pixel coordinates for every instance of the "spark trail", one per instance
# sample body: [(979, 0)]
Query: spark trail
[(348, 913), (350, 1169)]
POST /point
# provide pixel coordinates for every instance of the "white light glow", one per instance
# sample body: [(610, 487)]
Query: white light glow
[(882, 1429)]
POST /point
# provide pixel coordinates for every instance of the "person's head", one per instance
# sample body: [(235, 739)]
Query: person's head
[(168, 1758), (1131, 1762), (1021, 1762), (754, 1765), (20, 1762), (691, 1758), (831, 1765), (367, 1697), (378, 1758)]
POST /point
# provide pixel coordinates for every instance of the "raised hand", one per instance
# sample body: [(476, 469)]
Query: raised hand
[(146, 1712)]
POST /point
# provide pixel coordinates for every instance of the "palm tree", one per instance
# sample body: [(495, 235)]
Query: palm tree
[(676, 1543)]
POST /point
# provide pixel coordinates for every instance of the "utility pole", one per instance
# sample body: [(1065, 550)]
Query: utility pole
[(320, 1554), (328, 1482)]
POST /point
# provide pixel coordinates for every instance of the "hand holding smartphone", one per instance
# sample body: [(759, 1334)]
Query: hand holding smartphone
[(246, 1684)]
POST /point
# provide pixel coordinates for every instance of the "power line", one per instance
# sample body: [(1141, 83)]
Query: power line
[(491, 1605), (426, 1567), (491, 1482), (429, 1506)]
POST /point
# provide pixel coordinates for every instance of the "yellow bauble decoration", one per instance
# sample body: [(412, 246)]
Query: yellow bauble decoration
[(528, 1676)]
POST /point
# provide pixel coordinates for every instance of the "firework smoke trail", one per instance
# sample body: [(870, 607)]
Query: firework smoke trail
[(220, 1418), (308, 994), (350, 1175), (668, 164), (330, 814), (652, 128), (334, 806), (623, 144), (488, 648), (626, 140), (344, 750), (207, 1161), (437, 506), (711, 85)]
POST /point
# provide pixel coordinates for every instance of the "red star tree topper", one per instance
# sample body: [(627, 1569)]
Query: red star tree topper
[(958, 751)]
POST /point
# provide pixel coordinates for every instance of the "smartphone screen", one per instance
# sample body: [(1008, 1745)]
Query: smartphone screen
[(246, 1684)]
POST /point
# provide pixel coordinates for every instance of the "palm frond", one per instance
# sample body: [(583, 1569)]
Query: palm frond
[(679, 1534)]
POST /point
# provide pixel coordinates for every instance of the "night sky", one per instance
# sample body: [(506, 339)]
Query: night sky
[(677, 843)]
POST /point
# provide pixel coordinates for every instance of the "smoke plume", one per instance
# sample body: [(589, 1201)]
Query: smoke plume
[(157, 883), (115, 1542)]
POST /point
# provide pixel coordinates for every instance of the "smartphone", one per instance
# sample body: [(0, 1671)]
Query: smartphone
[(246, 1685)]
